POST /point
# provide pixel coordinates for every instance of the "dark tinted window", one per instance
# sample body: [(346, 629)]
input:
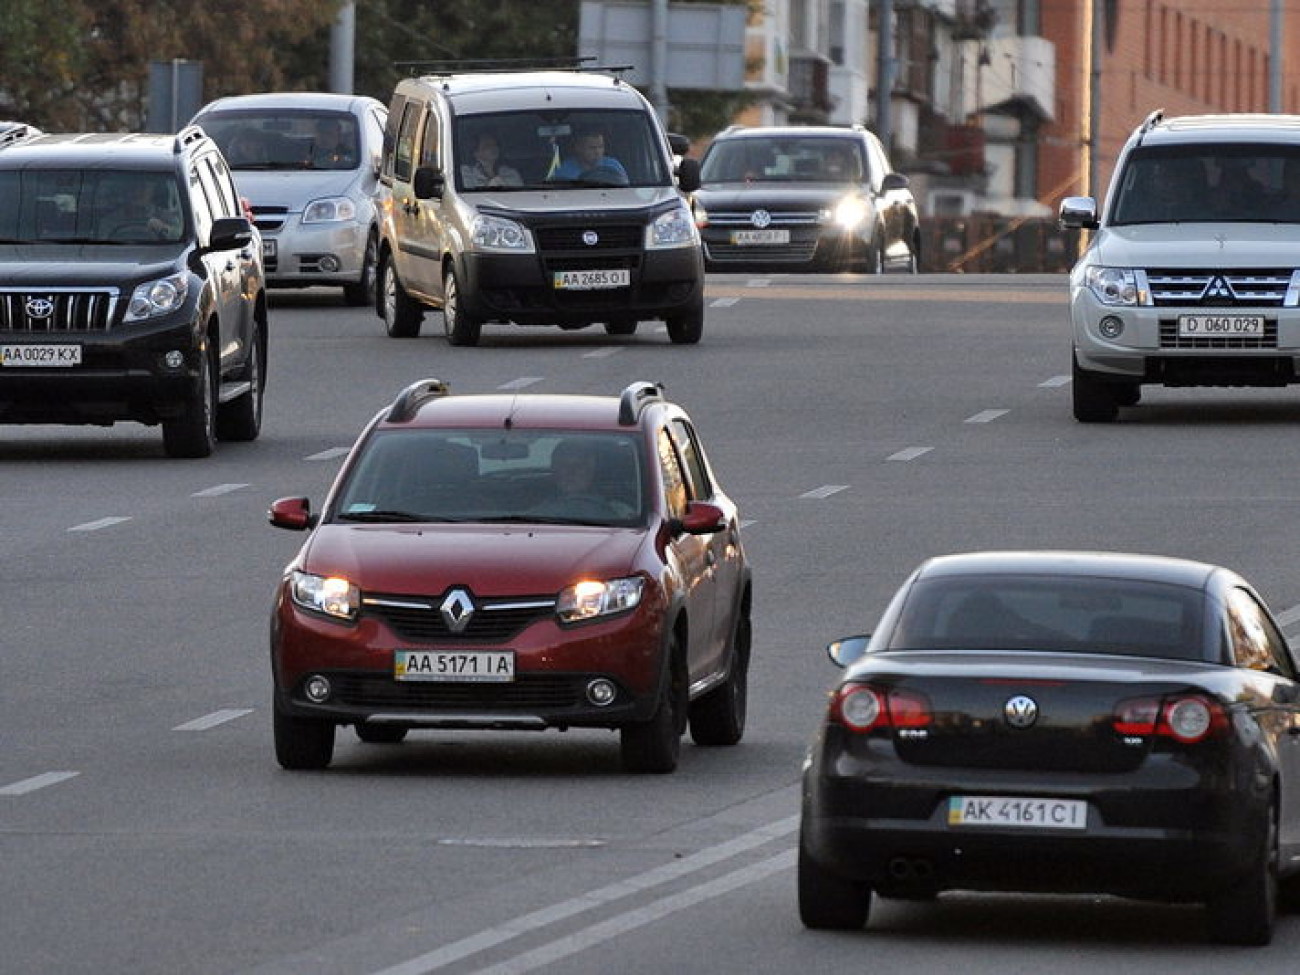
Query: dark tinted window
[(89, 205), (785, 159), (1216, 183), (285, 139)]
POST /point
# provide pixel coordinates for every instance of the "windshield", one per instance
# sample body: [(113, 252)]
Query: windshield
[(535, 150), (285, 139), (786, 160), (540, 477), (89, 206), (1210, 183)]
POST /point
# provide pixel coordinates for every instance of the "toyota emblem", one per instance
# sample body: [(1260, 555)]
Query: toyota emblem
[(590, 238), (1020, 711), (39, 308), (760, 218)]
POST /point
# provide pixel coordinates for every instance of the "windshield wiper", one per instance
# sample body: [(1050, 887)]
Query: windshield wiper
[(389, 514)]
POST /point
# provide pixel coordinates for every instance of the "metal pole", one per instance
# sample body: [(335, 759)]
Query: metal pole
[(1276, 56), (1094, 96), (342, 48), (884, 69), (659, 58)]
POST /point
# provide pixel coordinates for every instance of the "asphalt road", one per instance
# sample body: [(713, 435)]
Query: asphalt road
[(863, 424)]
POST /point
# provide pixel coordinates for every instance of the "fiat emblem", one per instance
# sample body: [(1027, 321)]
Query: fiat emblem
[(1020, 711), (39, 307), (590, 238), (456, 610), (760, 218)]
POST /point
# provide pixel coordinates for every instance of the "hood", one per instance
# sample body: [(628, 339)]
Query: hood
[(293, 188), (86, 265), (571, 201), (773, 196), (1196, 245), (509, 560)]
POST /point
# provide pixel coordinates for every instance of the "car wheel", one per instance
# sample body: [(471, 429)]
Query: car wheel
[(876, 253), (688, 328), (301, 743), (913, 256), (827, 901), (624, 327), (402, 313), (381, 734), (718, 718), (654, 746), (241, 418), (461, 328), (194, 432), (1093, 400), (362, 293), (1245, 913)]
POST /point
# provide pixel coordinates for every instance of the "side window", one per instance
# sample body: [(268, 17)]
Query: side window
[(391, 125), (1256, 643), (202, 205), (430, 154), (225, 199), (879, 163), (675, 496), (404, 150), (697, 476)]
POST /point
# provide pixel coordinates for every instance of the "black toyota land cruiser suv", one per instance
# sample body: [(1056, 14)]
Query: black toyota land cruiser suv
[(131, 288)]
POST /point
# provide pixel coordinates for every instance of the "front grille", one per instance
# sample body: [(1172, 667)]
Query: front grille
[(490, 623), (525, 692), (608, 237), (57, 310), (1266, 288), (269, 219)]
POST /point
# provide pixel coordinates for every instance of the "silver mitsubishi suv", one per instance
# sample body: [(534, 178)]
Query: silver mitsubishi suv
[(1192, 275)]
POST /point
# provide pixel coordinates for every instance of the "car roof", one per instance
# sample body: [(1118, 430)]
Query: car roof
[(791, 132), (1121, 565), (305, 100), (428, 404), (523, 90), (102, 150), (1238, 127)]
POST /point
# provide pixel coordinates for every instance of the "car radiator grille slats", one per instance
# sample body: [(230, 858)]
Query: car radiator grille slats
[(57, 311), (1227, 290), (526, 691), (487, 624)]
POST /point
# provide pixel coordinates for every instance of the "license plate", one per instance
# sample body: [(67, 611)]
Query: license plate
[(268, 248), (743, 237), (455, 665), (40, 356), (1213, 326), (591, 280), (1018, 811)]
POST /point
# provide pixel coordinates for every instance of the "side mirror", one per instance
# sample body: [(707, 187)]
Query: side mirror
[(844, 652), (1079, 211), (702, 518), (291, 513), (230, 234), (894, 181), (428, 183), (688, 175), (678, 143)]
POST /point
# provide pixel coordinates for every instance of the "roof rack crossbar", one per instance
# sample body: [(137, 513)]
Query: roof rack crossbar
[(506, 65), (410, 399), (636, 398)]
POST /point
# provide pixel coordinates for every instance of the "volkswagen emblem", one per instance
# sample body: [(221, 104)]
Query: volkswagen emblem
[(39, 308), (1020, 711), (456, 610), (760, 218), (590, 238)]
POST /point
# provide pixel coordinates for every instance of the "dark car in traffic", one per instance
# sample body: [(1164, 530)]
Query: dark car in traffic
[(1064, 722), (804, 198), (516, 562)]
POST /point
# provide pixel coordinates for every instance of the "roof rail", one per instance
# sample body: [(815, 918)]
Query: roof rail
[(505, 65), (1150, 122), (187, 137), (636, 398), (414, 396)]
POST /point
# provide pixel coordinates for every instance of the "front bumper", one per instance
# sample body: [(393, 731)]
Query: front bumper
[(297, 254)]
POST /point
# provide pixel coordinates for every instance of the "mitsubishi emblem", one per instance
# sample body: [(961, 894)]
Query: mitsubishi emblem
[(456, 610), (1218, 288)]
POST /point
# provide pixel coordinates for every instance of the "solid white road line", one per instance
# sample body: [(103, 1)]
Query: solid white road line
[(25, 786), (94, 526), (213, 719)]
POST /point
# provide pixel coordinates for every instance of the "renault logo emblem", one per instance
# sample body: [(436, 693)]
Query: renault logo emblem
[(760, 218), (456, 610), (590, 238), (39, 308), (1020, 711)]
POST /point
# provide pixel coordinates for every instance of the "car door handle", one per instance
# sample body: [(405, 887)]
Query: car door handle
[(412, 207)]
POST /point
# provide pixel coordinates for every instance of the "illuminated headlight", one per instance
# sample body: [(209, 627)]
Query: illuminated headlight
[(489, 233), (330, 595), (159, 297), (850, 212), (1113, 285), (672, 229), (588, 599), (329, 210)]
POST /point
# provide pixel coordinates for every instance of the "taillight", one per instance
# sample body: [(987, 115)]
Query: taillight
[(1187, 718), (866, 707)]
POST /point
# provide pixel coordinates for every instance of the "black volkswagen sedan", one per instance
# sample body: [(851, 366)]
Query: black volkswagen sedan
[(1066, 722)]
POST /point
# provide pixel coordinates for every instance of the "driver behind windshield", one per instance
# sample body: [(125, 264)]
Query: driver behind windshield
[(587, 159)]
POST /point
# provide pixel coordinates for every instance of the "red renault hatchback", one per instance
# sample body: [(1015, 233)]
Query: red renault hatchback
[(520, 562)]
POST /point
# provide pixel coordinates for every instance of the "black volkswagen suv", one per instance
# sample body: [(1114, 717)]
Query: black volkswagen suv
[(131, 288)]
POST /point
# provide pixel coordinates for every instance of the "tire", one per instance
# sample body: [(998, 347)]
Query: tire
[(876, 253), (1093, 400), (1245, 913), (194, 432), (718, 718), (654, 746), (241, 419), (687, 328), (362, 293), (402, 314), (302, 744), (381, 734), (461, 328), (913, 256), (827, 901), (620, 328)]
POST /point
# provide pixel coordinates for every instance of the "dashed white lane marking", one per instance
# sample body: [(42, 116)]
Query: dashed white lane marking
[(217, 490), (329, 454), (910, 453), (94, 526), (1055, 381), (986, 416), (25, 786), (523, 382), (758, 283), (723, 302), (746, 522), (825, 491), (213, 719), (603, 353)]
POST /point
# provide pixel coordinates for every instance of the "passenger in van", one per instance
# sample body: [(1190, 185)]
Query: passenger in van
[(487, 168), (587, 160)]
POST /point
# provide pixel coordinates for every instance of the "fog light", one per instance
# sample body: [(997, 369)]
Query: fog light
[(1111, 327), (601, 692), (174, 359), (329, 263), (316, 689)]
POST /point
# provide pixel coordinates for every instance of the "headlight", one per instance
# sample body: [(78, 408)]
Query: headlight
[(850, 212), (672, 229), (1114, 285), (588, 599), (330, 209), (331, 595), (159, 297), (489, 233)]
